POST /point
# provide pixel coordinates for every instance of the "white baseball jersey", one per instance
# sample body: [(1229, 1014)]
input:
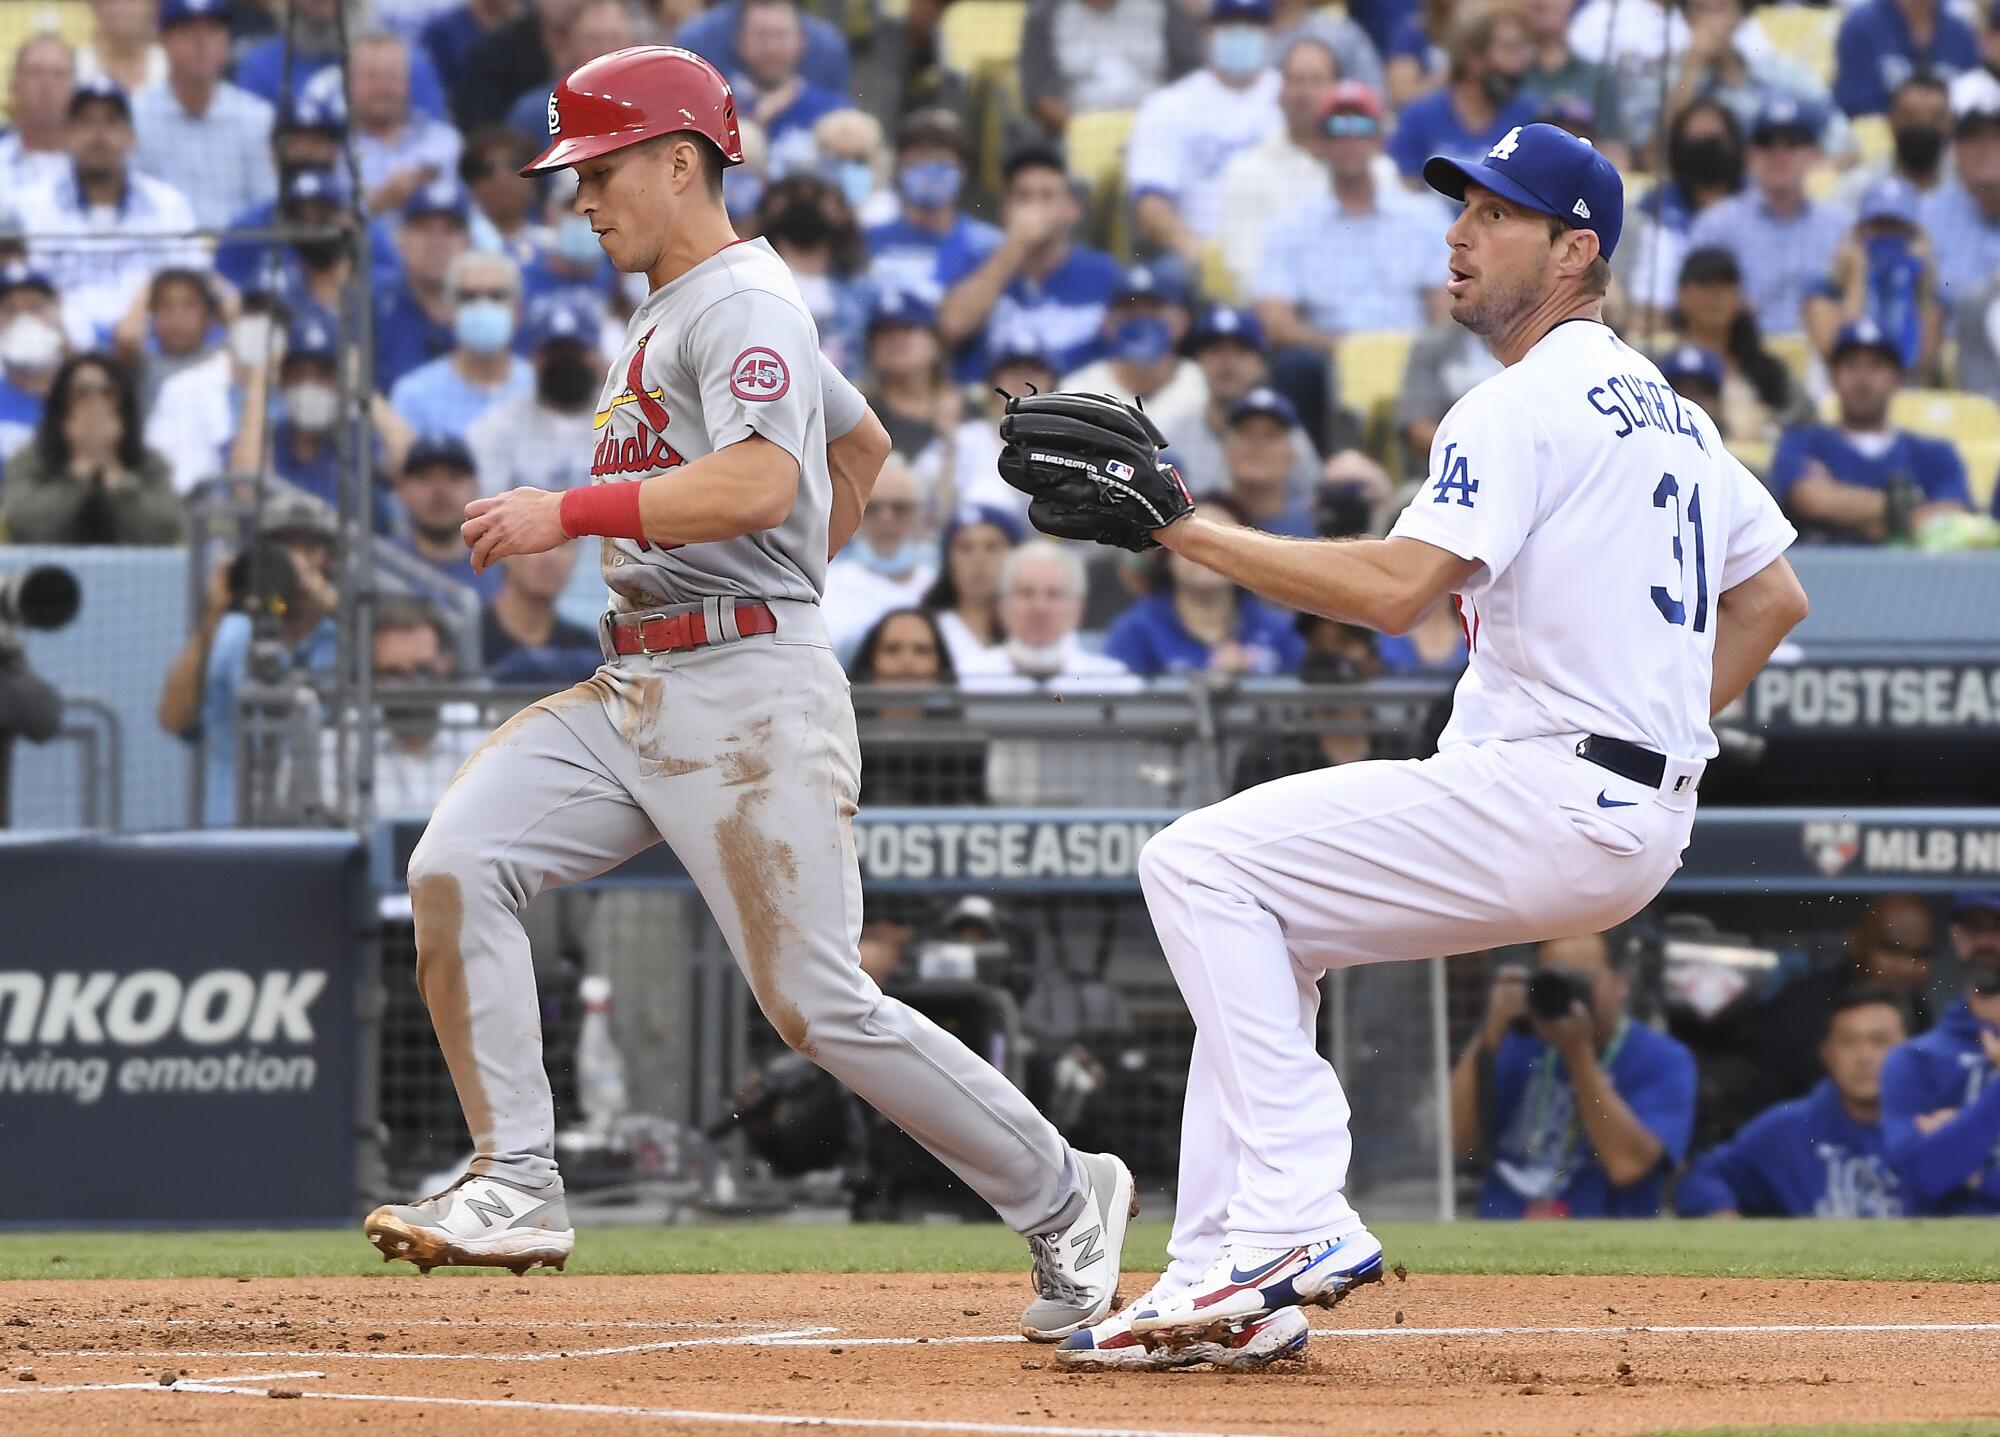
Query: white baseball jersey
[(727, 350), (1608, 520)]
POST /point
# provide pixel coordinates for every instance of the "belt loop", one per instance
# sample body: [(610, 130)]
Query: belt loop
[(711, 620), (606, 621), (730, 630)]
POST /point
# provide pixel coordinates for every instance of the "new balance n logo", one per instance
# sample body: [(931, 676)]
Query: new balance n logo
[(1089, 1247), (489, 1208)]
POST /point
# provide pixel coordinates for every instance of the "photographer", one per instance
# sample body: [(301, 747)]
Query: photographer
[(30, 707), (1578, 1109)]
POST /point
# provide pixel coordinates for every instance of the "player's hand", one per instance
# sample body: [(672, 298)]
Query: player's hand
[(1507, 1002), (521, 521), (1928, 1123), (1573, 1036)]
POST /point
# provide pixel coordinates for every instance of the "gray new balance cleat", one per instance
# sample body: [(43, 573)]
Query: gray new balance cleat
[(1076, 1268), (476, 1222)]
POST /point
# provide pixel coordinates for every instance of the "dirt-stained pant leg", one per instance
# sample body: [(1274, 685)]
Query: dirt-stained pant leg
[(749, 766), (532, 809)]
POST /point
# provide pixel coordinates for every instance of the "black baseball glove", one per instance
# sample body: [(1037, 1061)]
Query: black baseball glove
[(1091, 467)]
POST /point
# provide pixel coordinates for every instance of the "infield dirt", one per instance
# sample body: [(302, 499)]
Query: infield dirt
[(492, 1354)]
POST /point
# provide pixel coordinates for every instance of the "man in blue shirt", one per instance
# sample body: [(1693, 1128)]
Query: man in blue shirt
[(770, 90), (1820, 1155), (1858, 480), (1962, 215), (308, 45), (1580, 1116), (1783, 239), (413, 322), (1258, 449), (1037, 290), (1883, 42), (712, 34), (1941, 1091), (1481, 102), (438, 480), (930, 232), (447, 394)]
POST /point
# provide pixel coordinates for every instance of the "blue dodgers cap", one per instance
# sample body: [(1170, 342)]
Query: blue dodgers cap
[(1252, 12), (561, 316), (429, 449), (1976, 900), (1691, 361), (1266, 401), (443, 196), (311, 337), (175, 12), (1550, 171), (100, 89), (1784, 115), (966, 515), (1890, 198), (19, 274), (327, 185), (324, 113), (1163, 279), (1864, 333), (1219, 324), (899, 308)]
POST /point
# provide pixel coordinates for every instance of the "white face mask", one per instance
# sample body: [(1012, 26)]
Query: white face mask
[(1039, 660), (31, 344), (312, 407)]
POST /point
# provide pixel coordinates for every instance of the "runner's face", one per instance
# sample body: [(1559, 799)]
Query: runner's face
[(627, 197)]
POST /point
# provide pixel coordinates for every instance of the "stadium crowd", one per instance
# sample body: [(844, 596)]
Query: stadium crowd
[(208, 221)]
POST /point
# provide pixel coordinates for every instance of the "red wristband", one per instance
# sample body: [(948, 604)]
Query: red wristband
[(611, 510)]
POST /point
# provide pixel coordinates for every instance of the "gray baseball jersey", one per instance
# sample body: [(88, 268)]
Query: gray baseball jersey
[(726, 351)]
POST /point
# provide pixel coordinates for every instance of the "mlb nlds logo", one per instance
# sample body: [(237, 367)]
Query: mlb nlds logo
[(1832, 844)]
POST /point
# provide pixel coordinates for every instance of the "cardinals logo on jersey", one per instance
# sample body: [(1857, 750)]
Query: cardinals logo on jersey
[(640, 452)]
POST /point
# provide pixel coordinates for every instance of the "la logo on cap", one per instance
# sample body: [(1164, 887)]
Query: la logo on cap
[(1509, 142)]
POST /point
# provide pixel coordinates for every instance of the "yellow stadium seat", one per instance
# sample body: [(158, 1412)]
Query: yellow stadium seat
[(1794, 350), (982, 37), (1754, 453), (1872, 140), (1371, 371), (1095, 143), (21, 19), (1803, 33), (1822, 180), (1982, 471), (1970, 421), (1217, 282)]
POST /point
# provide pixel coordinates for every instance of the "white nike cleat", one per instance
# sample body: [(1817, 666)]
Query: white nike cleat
[(476, 1222), (1076, 1269), (1247, 1283), (1241, 1347)]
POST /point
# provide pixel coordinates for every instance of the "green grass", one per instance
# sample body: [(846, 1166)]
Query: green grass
[(1935, 1250), (1872, 1429)]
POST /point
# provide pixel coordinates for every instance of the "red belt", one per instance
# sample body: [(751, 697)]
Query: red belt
[(669, 633)]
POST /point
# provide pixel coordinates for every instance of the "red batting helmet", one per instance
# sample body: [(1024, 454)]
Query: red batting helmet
[(632, 95)]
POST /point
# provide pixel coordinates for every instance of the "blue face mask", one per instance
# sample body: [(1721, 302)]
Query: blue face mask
[(931, 184), (575, 243), (484, 325), (1141, 339), (1239, 49), (896, 563), (856, 179)]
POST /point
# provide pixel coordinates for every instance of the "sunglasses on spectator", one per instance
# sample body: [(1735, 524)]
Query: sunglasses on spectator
[(1352, 127), (101, 388), (498, 296), (897, 507)]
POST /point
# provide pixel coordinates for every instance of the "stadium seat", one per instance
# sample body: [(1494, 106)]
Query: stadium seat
[(1371, 372), (1969, 421), (1095, 143), (1755, 454), (1803, 33), (1872, 140), (1216, 281), (982, 37), (1794, 349)]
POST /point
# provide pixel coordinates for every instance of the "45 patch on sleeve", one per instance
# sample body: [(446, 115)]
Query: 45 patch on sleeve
[(1454, 479)]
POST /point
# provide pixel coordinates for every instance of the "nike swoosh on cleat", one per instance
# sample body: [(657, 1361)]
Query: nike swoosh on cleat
[(1603, 802), (1236, 1275)]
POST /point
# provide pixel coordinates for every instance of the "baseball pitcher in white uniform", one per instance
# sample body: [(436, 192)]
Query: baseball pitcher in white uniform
[(730, 463), (1620, 578)]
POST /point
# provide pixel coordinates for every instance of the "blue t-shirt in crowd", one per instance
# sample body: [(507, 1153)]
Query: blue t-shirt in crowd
[(904, 258), (437, 399), (319, 476), (1060, 316), (1399, 655), (260, 69), (1542, 1158), (1412, 42), (1806, 1158), (448, 38), (804, 112), (1954, 1170), (1931, 464), (1430, 126), (459, 571), (1874, 54), (711, 34), (1150, 639), (1381, 19), (539, 280), (254, 266), (406, 337), (20, 412)]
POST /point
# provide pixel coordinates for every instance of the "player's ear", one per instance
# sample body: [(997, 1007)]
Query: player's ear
[(1580, 252)]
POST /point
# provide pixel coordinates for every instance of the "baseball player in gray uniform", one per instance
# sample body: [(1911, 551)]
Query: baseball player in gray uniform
[(722, 480)]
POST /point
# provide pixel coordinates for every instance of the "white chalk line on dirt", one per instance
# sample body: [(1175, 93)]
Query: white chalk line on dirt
[(189, 1384), (316, 1354), (566, 1323), (231, 1388)]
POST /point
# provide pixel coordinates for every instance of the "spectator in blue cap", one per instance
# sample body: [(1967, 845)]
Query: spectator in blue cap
[(397, 149), (199, 133), (31, 351), (1696, 374), (438, 479), (1882, 41), (1783, 239), (1962, 216), (312, 271), (1227, 345), (1860, 479), (1259, 453), (413, 322), (1185, 134), (931, 230), (35, 151), (713, 34), (1941, 1091), (1199, 621), (905, 380), (965, 597), (536, 445), (286, 62), (445, 395), (1085, 56), (1883, 271), (1143, 328), (1481, 102)]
